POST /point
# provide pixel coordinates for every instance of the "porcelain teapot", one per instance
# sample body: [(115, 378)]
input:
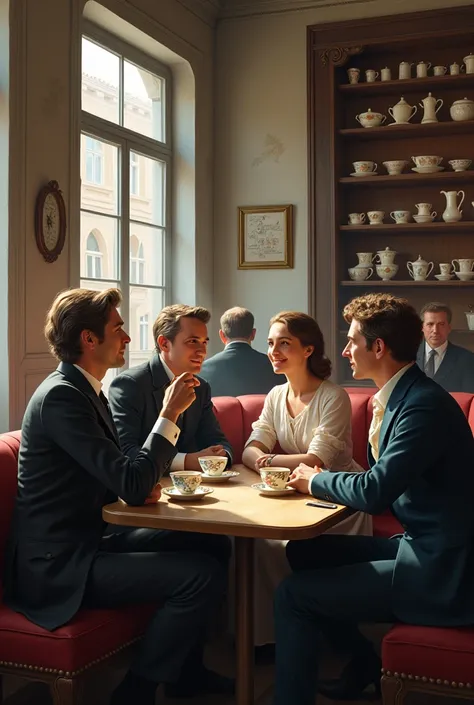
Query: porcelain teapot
[(420, 269), (402, 113)]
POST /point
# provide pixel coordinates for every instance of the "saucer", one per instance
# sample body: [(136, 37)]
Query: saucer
[(226, 475), (267, 492), (427, 169), (443, 277), (173, 493), (364, 173), (465, 276)]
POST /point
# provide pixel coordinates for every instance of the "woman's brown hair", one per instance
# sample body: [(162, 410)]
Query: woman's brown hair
[(306, 329)]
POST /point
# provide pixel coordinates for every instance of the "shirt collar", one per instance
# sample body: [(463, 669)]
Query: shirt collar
[(383, 395), (170, 375), (93, 381), (237, 342), (441, 350)]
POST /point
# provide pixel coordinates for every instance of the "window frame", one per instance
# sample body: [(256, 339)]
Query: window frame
[(129, 141)]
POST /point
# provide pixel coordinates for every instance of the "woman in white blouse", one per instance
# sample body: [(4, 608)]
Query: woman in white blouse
[(310, 418)]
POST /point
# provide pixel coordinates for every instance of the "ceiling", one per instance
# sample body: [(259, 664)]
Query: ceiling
[(212, 10)]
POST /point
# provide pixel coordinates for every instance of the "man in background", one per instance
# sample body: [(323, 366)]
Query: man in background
[(449, 365), (239, 369), (136, 395)]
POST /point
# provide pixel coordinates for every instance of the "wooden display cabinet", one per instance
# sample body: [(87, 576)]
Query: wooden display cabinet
[(336, 140)]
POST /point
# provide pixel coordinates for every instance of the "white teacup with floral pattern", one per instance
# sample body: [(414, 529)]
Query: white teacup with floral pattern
[(427, 160), (364, 167), (186, 481), (275, 478), (213, 465)]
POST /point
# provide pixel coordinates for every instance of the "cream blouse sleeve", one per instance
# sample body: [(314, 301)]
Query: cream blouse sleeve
[(334, 430), (263, 430)]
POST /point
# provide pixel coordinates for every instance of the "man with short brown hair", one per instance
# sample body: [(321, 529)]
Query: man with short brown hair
[(239, 369), (449, 365), (136, 395)]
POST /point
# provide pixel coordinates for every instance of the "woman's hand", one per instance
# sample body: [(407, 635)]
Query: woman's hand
[(261, 461), (300, 477)]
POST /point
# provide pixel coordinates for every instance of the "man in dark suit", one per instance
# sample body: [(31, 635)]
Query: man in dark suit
[(136, 396), (239, 369), (61, 554), (449, 365), (421, 456)]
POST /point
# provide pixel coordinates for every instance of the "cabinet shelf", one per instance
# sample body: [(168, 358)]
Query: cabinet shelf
[(410, 85), (385, 180), (407, 283), (387, 132), (462, 226)]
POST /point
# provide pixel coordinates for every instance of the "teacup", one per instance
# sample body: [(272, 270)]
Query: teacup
[(364, 167), (465, 265), (371, 75), (356, 218), (186, 481), (360, 274), (213, 465), (375, 217), (424, 208), (275, 478), (354, 75), (386, 271), (439, 70), (400, 216), (460, 164), (445, 269), (395, 166), (427, 160)]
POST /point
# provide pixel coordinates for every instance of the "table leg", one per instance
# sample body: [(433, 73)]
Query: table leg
[(244, 627)]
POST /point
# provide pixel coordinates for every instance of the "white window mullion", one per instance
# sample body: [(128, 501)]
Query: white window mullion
[(125, 235)]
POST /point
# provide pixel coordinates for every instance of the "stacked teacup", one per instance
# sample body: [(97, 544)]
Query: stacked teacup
[(425, 214), (395, 166), (465, 272), (362, 270)]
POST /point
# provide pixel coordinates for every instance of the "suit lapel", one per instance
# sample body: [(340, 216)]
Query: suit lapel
[(79, 381), (447, 363), (396, 397), (420, 357)]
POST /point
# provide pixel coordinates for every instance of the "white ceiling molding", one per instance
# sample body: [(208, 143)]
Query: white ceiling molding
[(206, 10), (247, 8)]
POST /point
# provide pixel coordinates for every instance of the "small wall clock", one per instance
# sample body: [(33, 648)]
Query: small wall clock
[(50, 221)]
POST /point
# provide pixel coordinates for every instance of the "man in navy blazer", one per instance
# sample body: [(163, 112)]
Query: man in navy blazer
[(239, 369), (136, 395), (449, 365), (61, 554), (421, 454)]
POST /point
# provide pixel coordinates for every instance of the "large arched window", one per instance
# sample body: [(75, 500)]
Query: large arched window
[(93, 258)]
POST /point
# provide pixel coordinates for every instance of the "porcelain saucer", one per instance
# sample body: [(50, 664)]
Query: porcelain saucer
[(226, 475), (424, 218), (465, 276), (201, 492), (364, 173), (443, 277), (263, 489), (427, 169)]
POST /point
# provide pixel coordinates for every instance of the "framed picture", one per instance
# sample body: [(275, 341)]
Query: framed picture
[(265, 237)]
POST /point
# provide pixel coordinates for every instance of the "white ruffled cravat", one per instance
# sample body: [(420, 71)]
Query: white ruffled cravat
[(375, 426)]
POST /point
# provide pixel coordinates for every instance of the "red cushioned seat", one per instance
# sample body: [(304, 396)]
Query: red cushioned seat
[(385, 525), (89, 636), (443, 653)]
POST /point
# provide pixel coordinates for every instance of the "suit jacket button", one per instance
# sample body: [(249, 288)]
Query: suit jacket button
[(48, 556)]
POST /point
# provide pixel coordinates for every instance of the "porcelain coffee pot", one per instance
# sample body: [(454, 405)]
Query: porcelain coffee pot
[(430, 106), (386, 256), (420, 269), (453, 212), (402, 113)]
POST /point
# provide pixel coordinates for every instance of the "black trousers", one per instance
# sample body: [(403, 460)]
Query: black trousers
[(186, 572), (338, 582)]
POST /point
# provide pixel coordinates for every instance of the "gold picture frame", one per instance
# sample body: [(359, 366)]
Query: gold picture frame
[(265, 237)]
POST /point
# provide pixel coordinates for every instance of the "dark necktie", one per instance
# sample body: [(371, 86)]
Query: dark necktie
[(430, 365)]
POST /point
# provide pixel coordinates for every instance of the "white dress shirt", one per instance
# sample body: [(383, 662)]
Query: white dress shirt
[(164, 427), (441, 352), (380, 401)]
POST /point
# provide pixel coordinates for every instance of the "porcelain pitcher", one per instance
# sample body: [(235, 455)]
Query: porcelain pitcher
[(453, 212), (430, 107)]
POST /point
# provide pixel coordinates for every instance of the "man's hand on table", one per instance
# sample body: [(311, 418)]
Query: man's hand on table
[(154, 495), (301, 476), (191, 461)]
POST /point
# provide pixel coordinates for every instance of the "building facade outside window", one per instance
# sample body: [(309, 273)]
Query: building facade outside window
[(125, 187)]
